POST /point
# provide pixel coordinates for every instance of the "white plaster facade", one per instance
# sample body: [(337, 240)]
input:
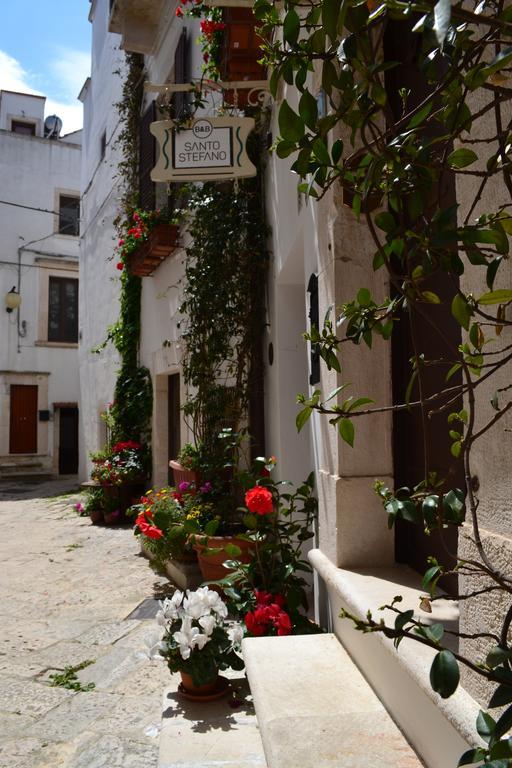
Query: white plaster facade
[(354, 557), (35, 170)]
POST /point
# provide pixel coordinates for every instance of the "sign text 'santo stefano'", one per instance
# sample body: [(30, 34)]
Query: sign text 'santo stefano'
[(202, 150)]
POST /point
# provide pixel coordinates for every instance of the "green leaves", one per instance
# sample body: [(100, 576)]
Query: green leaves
[(346, 429), (333, 16), (500, 296), (444, 674), (461, 158), (291, 125), (291, 27), (308, 110)]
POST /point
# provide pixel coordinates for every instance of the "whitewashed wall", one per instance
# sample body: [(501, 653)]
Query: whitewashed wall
[(33, 171)]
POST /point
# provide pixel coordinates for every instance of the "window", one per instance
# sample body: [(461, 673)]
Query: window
[(69, 215), (63, 309), (103, 144), (28, 129)]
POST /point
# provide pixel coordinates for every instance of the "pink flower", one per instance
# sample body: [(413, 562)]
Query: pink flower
[(121, 242)]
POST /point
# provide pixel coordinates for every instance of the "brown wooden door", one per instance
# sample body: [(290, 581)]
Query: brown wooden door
[(68, 441), (23, 423), (174, 420)]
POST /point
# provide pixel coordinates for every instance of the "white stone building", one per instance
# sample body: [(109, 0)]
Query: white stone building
[(40, 224), (315, 249)]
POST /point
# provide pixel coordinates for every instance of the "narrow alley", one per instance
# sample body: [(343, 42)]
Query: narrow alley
[(73, 593)]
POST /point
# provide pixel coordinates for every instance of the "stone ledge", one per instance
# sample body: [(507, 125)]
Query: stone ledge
[(401, 677), (315, 709)]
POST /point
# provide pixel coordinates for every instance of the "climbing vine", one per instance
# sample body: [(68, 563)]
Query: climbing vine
[(223, 304), (130, 414)]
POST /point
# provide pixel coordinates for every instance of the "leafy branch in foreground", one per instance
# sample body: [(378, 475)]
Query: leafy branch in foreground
[(429, 170)]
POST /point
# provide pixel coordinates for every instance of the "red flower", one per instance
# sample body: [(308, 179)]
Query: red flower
[(151, 531), (120, 266), (259, 500), (121, 242), (179, 13), (126, 445), (283, 624), (255, 628)]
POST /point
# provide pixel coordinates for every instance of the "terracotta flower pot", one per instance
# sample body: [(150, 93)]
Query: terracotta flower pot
[(182, 474), (211, 563), (96, 516), (210, 691), (198, 690)]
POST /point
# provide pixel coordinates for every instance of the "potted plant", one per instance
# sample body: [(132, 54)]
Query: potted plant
[(269, 592), (198, 641), (121, 472), (187, 464), (160, 525), (147, 238)]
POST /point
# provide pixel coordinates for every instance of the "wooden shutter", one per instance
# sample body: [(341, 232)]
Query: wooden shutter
[(314, 320), (147, 159), (180, 101)]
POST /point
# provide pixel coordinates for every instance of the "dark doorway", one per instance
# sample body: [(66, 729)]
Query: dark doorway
[(68, 441), (23, 419), (412, 545), (174, 420)]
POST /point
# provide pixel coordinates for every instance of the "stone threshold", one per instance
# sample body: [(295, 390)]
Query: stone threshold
[(316, 710), (440, 730)]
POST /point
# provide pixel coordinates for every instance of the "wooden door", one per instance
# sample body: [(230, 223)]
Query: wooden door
[(173, 419), (23, 420), (68, 441), (412, 546)]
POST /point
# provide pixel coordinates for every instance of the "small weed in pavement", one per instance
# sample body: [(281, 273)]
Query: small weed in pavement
[(68, 678), (76, 545)]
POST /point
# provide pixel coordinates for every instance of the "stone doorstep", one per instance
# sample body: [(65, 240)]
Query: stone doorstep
[(400, 677), (316, 710)]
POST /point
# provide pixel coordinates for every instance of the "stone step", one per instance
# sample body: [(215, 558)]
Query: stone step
[(316, 710)]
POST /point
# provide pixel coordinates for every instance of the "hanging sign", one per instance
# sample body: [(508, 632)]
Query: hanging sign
[(203, 150)]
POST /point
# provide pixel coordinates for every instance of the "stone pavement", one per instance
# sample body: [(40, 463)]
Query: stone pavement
[(67, 590)]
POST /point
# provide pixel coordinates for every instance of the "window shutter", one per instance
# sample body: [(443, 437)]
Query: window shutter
[(180, 101), (314, 319), (147, 159)]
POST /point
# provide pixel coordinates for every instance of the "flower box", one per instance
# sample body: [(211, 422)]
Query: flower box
[(240, 53), (162, 241), (184, 574)]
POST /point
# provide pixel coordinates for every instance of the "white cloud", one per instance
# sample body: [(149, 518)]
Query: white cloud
[(70, 69)]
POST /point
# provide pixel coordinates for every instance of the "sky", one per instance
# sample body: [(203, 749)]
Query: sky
[(45, 49)]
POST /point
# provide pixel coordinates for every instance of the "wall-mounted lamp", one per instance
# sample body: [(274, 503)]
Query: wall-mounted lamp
[(12, 300)]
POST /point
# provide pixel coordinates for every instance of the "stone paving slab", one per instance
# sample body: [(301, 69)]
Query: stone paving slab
[(217, 734), (66, 590)]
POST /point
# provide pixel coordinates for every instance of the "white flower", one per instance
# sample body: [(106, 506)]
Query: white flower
[(189, 637), (195, 605), (214, 601), (200, 640), (235, 633), (208, 624), (170, 609)]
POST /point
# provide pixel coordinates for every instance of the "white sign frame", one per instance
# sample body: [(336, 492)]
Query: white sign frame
[(204, 149)]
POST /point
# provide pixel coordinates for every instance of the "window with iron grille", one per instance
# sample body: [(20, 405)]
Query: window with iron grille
[(63, 309), (69, 215)]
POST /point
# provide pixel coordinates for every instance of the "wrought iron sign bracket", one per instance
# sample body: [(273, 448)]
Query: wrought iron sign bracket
[(259, 90)]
